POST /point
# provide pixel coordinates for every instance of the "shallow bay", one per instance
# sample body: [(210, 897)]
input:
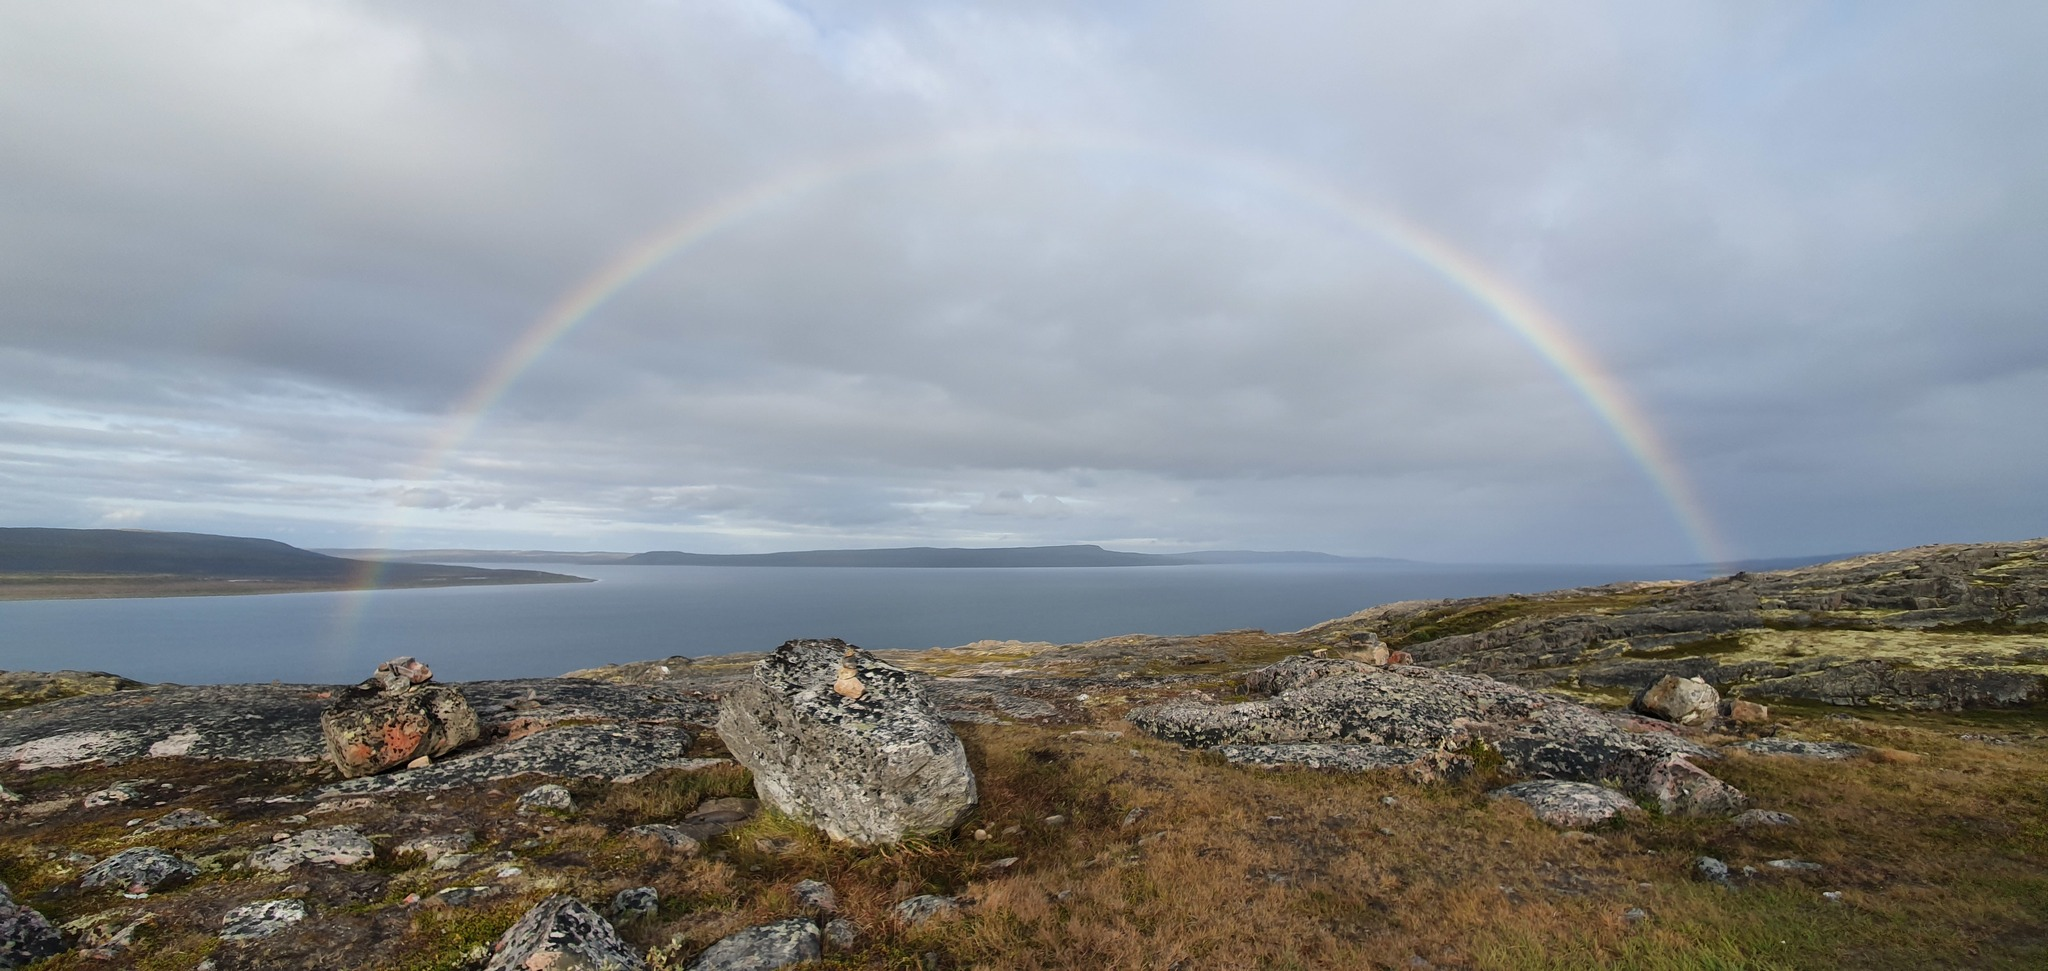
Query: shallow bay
[(637, 613)]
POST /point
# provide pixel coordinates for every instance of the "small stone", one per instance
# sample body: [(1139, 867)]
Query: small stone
[(672, 838), (182, 819), (261, 919), (1388, 800), (763, 948), (982, 836), (1055, 820), (1801, 865), (816, 895), (145, 867), (421, 762), (459, 896), (120, 793), (434, 847), (1634, 914), (1831, 896), (1131, 818), (841, 934), (925, 907), (1745, 712), (550, 797), (562, 932), (1711, 870), (1765, 817), (635, 903), (1012, 830)]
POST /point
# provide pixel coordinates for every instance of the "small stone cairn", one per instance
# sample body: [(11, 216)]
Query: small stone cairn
[(395, 717)]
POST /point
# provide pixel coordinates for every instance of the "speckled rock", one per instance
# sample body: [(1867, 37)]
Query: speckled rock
[(1346, 757), (1405, 706), (1681, 788), (764, 948), (562, 933), (870, 770), (337, 845), (394, 717), (261, 919), (118, 794), (438, 845), (635, 903), (549, 798), (1684, 701), (672, 838), (841, 933), (1569, 805), (925, 907), (1827, 751), (1765, 817), (143, 868), (614, 752), (815, 895), (181, 819), (25, 934)]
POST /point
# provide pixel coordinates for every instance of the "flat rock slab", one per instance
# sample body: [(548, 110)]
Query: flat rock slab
[(1569, 805), (562, 933), (1829, 751), (261, 919), (281, 722), (619, 752), (764, 948), (143, 866), (338, 845), (1341, 757)]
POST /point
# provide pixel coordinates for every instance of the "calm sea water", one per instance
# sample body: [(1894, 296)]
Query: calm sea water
[(637, 613)]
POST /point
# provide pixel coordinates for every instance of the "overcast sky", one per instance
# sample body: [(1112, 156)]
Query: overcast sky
[(1028, 273)]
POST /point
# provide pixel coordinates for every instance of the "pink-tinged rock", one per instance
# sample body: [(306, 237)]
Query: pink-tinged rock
[(1684, 789), (395, 718), (1747, 712), (1684, 701)]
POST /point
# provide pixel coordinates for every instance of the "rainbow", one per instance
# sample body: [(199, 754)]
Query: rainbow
[(1514, 310)]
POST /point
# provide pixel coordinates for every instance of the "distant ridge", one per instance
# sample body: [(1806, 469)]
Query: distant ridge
[(39, 556), (1076, 555)]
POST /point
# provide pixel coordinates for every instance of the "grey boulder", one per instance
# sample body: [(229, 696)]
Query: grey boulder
[(338, 845), (25, 935), (764, 948), (849, 743), (562, 933), (1683, 701)]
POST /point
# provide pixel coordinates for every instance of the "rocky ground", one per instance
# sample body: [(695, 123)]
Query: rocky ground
[(1225, 800)]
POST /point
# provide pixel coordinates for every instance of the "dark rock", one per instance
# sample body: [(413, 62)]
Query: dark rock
[(841, 933), (1569, 805), (181, 819), (925, 907), (393, 718), (25, 935), (1711, 870), (635, 903), (1685, 701), (139, 870), (336, 845), (459, 896), (815, 895), (870, 768), (764, 948), (261, 919), (562, 933)]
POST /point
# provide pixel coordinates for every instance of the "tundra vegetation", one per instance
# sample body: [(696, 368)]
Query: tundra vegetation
[(1096, 845)]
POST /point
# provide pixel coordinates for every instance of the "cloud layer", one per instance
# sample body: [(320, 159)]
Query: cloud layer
[(1024, 273)]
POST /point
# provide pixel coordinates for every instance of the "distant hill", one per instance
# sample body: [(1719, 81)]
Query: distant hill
[(1078, 555), (34, 559)]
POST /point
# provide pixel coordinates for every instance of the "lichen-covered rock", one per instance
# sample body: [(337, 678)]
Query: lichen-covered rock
[(841, 933), (1683, 701), (26, 935), (1825, 751), (1418, 765), (1765, 817), (764, 948), (562, 933), (181, 819), (261, 919), (672, 838), (1424, 709), (872, 769), (1569, 805), (635, 903), (435, 846), (549, 797), (1684, 789), (816, 895), (141, 869), (925, 907), (337, 845), (394, 717)]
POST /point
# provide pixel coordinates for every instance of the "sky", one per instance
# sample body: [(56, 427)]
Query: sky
[(1481, 282)]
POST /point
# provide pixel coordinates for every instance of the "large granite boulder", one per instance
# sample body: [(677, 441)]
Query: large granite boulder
[(1425, 709), (562, 933), (1684, 701), (393, 717), (848, 743)]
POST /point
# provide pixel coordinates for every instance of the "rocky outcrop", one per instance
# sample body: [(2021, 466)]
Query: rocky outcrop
[(869, 769), (393, 717), (1410, 707), (562, 933)]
